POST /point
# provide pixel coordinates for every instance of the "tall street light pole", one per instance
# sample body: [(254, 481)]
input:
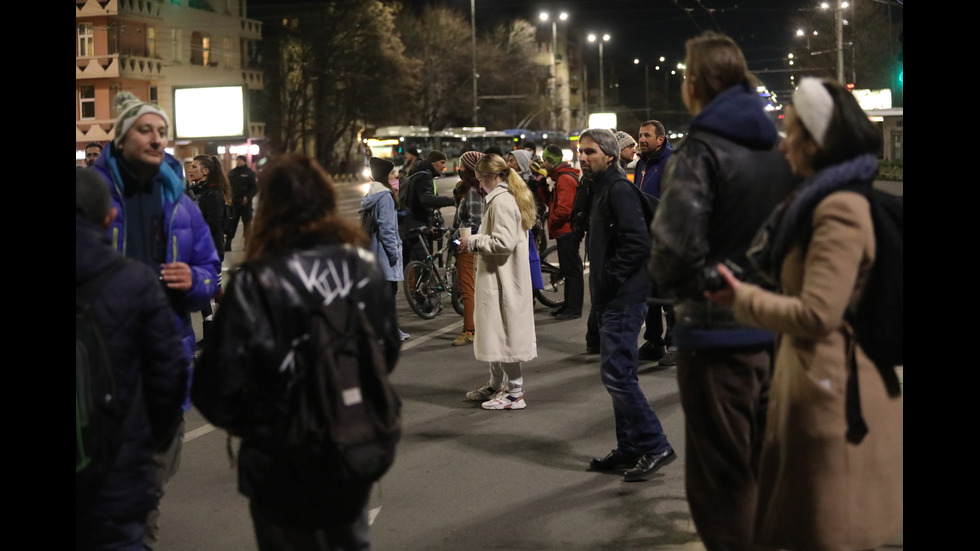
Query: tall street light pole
[(476, 105), (839, 31), (646, 85), (553, 92), (602, 85)]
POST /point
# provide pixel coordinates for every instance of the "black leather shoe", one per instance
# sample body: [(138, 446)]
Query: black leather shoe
[(615, 461), (648, 464), (650, 352), (590, 349), (557, 311), (566, 315)]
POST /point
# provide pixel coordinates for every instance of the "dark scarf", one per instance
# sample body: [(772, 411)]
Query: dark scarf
[(791, 221)]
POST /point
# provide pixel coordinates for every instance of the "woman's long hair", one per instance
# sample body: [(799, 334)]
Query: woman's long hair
[(216, 176), (298, 209), (495, 164)]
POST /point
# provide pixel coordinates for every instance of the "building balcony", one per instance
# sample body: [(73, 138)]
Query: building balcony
[(117, 66), (95, 130), (139, 8)]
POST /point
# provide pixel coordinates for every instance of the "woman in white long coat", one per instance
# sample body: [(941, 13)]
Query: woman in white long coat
[(504, 311)]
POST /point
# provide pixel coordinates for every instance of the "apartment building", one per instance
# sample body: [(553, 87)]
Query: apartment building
[(161, 50)]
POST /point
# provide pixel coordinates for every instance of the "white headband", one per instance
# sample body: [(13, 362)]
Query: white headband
[(814, 106)]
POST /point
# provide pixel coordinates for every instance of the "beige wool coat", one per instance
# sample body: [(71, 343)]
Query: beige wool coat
[(817, 491), (503, 315)]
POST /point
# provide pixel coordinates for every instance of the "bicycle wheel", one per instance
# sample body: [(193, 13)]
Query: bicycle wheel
[(422, 290), (456, 293), (553, 294)]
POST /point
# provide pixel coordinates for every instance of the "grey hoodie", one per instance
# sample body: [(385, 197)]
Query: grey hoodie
[(523, 159)]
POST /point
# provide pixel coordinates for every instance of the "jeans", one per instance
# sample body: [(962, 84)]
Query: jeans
[(638, 429)]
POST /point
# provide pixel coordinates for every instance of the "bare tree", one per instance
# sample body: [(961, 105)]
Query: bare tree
[(331, 66)]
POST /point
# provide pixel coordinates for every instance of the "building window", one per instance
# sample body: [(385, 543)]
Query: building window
[(175, 44), (86, 101), (154, 95), (200, 49), (86, 39), (151, 42)]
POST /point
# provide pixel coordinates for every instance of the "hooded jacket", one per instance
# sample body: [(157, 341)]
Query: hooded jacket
[(187, 239), (718, 188), (386, 244), (649, 169), (560, 199)]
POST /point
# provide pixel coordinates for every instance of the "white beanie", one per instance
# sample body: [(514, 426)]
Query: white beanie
[(130, 108), (814, 106)]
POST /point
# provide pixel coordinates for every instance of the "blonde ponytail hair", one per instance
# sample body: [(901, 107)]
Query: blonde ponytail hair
[(516, 186)]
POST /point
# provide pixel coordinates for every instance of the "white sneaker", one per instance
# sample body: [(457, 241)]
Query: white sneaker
[(482, 392), (503, 400)]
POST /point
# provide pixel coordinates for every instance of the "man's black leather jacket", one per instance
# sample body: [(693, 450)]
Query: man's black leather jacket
[(716, 195)]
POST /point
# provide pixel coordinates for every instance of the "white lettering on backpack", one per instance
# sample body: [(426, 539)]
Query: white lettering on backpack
[(329, 283)]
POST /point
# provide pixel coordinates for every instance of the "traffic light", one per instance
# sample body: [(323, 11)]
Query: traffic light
[(900, 70)]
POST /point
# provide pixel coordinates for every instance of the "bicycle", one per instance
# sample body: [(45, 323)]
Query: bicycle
[(424, 283), (553, 294)]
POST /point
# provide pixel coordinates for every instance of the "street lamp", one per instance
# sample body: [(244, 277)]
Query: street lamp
[(839, 32), (545, 16), (476, 105), (602, 85)]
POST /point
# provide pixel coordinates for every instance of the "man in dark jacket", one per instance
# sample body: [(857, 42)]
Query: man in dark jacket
[(619, 244), (243, 187), (421, 201), (655, 149), (718, 189), (135, 318)]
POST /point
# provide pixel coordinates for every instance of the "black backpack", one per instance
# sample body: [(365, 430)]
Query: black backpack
[(345, 415), (99, 415), (369, 224), (877, 319)]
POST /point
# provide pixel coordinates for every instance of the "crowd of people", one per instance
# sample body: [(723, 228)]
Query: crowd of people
[(761, 357)]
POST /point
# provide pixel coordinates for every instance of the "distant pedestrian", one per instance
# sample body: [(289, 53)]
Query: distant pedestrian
[(560, 199), (92, 152), (469, 216), (504, 307), (243, 189), (655, 151), (381, 202), (303, 256)]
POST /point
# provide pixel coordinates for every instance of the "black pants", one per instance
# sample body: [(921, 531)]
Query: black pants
[(570, 264), (655, 332), (724, 394)]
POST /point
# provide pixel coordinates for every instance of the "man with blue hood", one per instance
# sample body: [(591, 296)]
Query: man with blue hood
[(718, 188), (160, 225)]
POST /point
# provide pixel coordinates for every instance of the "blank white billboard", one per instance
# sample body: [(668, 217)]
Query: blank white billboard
[(212, 112)]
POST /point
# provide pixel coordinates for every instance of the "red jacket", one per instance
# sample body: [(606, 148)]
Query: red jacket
[(560, 199)]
